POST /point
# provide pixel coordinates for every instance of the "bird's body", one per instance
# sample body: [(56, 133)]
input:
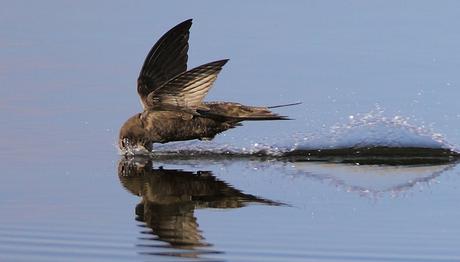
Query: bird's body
[(166, 126), (173, 98)]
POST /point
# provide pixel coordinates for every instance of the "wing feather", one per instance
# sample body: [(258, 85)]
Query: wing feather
[(167, 58), (186, 91)]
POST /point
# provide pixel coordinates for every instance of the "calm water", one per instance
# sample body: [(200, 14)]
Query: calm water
[(380, 73)]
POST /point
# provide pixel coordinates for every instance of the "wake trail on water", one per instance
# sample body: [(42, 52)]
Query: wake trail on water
[(370, 138)]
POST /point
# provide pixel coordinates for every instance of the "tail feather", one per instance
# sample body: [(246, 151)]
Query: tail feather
[(241, 112), (291, 104), (271, 116)]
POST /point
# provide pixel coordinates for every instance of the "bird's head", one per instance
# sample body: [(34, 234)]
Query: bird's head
[(133, 138)]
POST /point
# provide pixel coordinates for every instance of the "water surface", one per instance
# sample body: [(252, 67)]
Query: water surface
[(368, 74)]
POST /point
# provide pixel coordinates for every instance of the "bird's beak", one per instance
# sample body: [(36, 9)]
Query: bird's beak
[(128, 148)]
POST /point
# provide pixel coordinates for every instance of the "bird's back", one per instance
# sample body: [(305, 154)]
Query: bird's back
[(166, 126)]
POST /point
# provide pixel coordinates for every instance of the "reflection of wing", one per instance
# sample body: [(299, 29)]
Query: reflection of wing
[(175, 224), (167, 58), (187, 90)]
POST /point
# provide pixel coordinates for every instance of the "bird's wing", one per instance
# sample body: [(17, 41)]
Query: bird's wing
[(167, 58), (186, 91)]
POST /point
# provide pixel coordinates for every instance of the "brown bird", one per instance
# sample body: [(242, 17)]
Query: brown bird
[(172, 98)]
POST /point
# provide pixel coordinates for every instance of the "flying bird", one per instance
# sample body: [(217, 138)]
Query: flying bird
[(172, 98)]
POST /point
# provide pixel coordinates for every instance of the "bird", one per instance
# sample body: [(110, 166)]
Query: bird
[(172, 99)]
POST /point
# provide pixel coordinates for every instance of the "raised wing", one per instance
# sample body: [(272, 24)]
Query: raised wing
[(186, 91), (167, 58)]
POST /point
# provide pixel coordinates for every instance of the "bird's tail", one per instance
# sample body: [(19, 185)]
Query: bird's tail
[(241, 112)]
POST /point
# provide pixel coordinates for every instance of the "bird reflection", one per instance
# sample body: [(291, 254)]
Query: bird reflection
[(170, 197)]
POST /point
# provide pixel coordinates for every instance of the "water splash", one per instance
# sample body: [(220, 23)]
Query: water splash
[(375, 129), (254, 148)]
